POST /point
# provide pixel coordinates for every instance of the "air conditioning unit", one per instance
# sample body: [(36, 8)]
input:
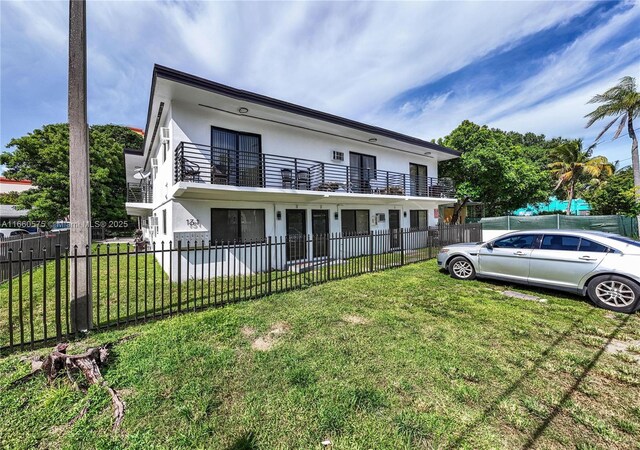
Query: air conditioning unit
[(165, 133), (153, 225), (337, 155)]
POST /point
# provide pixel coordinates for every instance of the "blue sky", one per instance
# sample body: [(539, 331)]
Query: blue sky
[(419, 68)]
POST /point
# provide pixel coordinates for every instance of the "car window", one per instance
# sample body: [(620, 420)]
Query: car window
[(560, 242), (519, 241), (16, 233), (590, 246)]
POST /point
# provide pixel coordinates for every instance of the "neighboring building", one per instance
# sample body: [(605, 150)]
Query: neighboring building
[(10, 216), (579, 207), (471, 212), (7, 185), (223, 164)]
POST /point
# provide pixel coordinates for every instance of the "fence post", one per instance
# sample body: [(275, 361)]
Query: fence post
[(401, 231), (269, 267), (509, 223), (10, 279), (58, 293), (370, 251), (179, 275)]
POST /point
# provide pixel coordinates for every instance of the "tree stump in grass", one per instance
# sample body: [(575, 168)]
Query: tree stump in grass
[(88, 364)]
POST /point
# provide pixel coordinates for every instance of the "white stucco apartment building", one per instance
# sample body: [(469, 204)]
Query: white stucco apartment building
[(223, 164)]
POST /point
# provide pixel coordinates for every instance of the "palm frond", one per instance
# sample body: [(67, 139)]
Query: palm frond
[(623, 122), (604, 130)]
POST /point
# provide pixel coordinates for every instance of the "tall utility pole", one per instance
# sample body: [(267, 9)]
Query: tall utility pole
[(79, 198)]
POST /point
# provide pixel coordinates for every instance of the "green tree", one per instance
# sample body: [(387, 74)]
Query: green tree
[(497, 168), (572, 166), (615, 196), (42, 156), (9, 198), (622, 102)]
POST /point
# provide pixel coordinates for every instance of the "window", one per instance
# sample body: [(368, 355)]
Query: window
[(419, 180), (590, 246), (237, 224), (164, 221), (519, 241), (418, 219), (362, 172), (355, 221), (235, 158), (560, 242)]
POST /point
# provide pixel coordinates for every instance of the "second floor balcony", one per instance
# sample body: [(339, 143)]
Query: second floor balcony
[(205, 164), (140, 192)]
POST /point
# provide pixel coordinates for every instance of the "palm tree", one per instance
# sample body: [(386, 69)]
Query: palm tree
[(571, 165), (622, 102)]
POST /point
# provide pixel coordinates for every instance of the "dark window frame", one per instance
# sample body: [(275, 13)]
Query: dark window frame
[(419, 183), (238, 231), (415, 214), (355, 221), (606, 247), (237, 160), (579, 246), (534, 244), (164, 221)]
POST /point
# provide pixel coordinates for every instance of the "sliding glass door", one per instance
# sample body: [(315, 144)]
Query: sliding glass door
[(236, 158), (363, 170)]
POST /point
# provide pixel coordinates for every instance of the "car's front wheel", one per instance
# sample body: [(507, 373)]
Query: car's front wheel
[(461, 268), (615, 293)]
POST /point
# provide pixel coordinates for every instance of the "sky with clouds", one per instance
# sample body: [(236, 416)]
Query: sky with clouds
[(417, 67)]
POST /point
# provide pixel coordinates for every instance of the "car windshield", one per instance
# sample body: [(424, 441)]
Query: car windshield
[(626, 240)]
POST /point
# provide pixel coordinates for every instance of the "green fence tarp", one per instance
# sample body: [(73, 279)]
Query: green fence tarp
[(625, 226)]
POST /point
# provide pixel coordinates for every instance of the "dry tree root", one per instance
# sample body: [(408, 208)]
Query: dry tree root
[(87, 363)]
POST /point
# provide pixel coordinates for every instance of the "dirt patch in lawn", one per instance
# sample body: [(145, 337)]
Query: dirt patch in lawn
[(355, 320), (266, 342), (248, 331), (627, 347)]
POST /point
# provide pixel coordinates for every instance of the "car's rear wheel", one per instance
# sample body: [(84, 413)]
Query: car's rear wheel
[(615, 293), (461, 268)]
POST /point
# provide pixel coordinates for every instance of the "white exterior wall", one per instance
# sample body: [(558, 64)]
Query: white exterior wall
[(192, 123), (194, 216)]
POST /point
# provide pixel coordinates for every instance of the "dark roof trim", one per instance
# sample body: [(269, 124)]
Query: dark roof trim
[(201, 83), (133, 151)]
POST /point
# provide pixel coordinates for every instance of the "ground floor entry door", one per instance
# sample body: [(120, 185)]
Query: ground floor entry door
[(296, 232), (394, 228), (320, 230)]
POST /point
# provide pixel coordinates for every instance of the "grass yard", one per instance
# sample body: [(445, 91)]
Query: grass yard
[(400, 359)]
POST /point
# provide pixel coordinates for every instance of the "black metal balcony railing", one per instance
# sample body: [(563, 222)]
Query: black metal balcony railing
[(139, 193), (206, 164)]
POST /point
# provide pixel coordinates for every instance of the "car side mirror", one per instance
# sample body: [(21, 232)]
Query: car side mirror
[(489, 246)]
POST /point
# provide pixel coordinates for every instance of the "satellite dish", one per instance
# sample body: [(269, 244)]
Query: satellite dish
[(138, 175)]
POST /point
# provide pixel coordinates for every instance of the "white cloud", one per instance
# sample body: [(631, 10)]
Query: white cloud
[(346, 58), (552, 101)]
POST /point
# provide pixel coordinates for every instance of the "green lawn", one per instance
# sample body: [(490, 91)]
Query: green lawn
[(132, 287), (405, 358)]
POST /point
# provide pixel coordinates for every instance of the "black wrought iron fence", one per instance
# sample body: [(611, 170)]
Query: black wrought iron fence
[(130, 285)]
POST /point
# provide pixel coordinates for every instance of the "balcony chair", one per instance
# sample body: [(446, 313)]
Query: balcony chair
[(303, 179), (219, 174), (287, 178), (190, 171)]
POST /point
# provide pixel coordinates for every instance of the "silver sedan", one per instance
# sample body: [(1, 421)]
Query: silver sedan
[(604, 266)]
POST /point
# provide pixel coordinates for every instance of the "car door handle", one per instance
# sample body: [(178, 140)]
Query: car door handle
[(587, 258), (519, 253)]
